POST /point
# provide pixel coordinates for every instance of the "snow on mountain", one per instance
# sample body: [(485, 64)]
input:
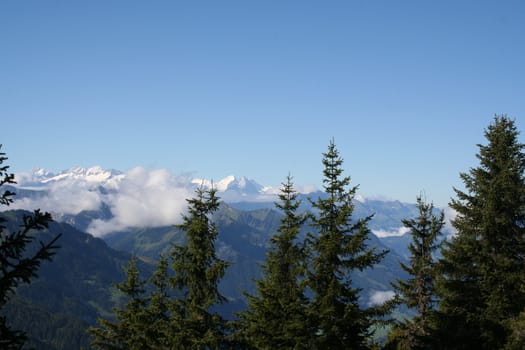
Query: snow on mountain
[(239, 185), (230, 188), (90, 176), (93, 174)]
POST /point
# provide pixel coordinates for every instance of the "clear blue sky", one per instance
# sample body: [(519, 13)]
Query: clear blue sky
[(258, 88)]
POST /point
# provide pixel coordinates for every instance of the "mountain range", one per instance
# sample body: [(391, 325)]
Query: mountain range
[(134, 213), (103, 197)]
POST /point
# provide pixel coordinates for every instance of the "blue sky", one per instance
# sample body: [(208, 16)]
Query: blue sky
[(259, 88)]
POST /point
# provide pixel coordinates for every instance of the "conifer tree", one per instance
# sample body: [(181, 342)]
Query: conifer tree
[(338, 249), (158, 309), (276, 316), (418, 291), (129, 329), (482, 267), (197, 272), (176, 312), (17, 265)]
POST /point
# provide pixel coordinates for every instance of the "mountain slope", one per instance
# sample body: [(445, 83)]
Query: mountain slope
[(71, 291), (243, 241)]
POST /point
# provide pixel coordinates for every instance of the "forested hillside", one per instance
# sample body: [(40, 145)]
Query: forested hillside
[(71, 292)]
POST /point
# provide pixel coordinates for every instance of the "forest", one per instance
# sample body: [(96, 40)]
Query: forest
[(466, 292)]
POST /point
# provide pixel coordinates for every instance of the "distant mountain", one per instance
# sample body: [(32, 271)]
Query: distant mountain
[(243, 240), (95, 175), (98, 200), (137, 210), (71, 291)]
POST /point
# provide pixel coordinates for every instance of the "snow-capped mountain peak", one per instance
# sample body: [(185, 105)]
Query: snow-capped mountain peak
[(93, 174), (223, 184), (232, 183)]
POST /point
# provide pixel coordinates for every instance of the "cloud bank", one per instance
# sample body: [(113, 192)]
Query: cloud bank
[(145, 198), (141, 198), (68, 197)]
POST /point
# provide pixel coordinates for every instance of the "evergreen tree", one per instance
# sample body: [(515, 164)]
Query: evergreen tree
[(197, 272), (16, 265), (482, 267), (158, 328), (338, 249), (129, 329), (176, 312), (418, 292), (276, 316)]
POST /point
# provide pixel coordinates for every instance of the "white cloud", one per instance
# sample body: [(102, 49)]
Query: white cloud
[(378, 297), (145, 198), (392, 233), (450, 214), (68, 197), (140, 198), (306, 189)]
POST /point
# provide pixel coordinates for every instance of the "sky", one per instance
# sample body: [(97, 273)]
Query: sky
[(259, 88)]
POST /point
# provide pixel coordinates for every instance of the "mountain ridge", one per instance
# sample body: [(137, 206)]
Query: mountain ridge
[(99, 201)]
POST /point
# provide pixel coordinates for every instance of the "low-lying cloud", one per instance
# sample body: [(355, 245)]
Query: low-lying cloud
[(68, 197), (450, 215), (142, 198), (391, 233), (145, 198), (379, 297)]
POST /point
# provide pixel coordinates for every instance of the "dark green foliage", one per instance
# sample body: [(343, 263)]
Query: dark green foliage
[(339, 248), (418, 291), (482, 267), (176, 313), (243, 240), (198, 272), (276, 316), (16, 264), (127, 332), (71, 292), (516, 339)]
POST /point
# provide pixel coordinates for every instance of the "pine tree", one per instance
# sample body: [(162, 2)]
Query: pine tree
[(16, 264), (482, 267), (276, 316), (338, 249), (129, 329), (158, 309), (197, 272), (176, 311), (418, 292)]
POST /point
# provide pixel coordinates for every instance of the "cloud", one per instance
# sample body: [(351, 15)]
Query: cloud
[(68, 197), (306, 189), (393, 233), (378, 297), (141, 198), (450, 214), (145, 198)]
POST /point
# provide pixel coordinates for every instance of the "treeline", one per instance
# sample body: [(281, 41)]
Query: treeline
[(467, 293)]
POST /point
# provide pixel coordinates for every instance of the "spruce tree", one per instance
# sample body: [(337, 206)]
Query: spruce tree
[(418, 291), (197, 272), (17, 265), (173, 309), (276, 315), (482, 266), (128, 331), (158, 309), (338, 248)]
